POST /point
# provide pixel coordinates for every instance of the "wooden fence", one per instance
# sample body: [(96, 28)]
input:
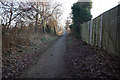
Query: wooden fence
[(104, 31), (0, 51)]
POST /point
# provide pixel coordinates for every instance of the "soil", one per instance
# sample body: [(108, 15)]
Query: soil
[(69, 58), (15, 64), (86, 61)]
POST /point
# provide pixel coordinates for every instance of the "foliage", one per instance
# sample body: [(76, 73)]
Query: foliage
[(22, 20), (81, 13), (39, 14), (71, 26)]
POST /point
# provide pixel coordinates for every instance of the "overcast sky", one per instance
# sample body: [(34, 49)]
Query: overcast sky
[(99, 6)]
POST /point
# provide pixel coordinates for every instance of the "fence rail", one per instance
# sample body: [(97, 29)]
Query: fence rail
[(104, 31)]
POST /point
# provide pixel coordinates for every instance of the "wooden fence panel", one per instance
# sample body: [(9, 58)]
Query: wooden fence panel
[(112, 30), (118, 30), (93, 31), (104, 31)]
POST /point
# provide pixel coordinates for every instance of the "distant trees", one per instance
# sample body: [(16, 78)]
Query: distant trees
[(18, 14), (22, 20), (81, 13)]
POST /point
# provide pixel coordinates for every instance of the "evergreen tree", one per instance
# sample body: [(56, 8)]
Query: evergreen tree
[(81, 13)]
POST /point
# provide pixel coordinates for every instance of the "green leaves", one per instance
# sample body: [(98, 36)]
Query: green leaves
[(81, 13)]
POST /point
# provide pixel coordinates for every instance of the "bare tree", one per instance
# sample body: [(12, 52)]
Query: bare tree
[(24, 13)]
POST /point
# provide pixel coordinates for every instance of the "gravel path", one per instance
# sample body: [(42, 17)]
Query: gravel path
[(50, 64)]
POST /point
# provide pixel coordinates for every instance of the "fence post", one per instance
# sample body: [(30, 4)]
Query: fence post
[(90, 32), (0, 51), (95, 33), (101, 33), (118, 30)]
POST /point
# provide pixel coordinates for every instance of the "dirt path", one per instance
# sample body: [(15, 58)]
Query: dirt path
[(50, 64), (89, 62)]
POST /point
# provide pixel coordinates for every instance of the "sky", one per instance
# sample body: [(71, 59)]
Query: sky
[(99, 6)]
